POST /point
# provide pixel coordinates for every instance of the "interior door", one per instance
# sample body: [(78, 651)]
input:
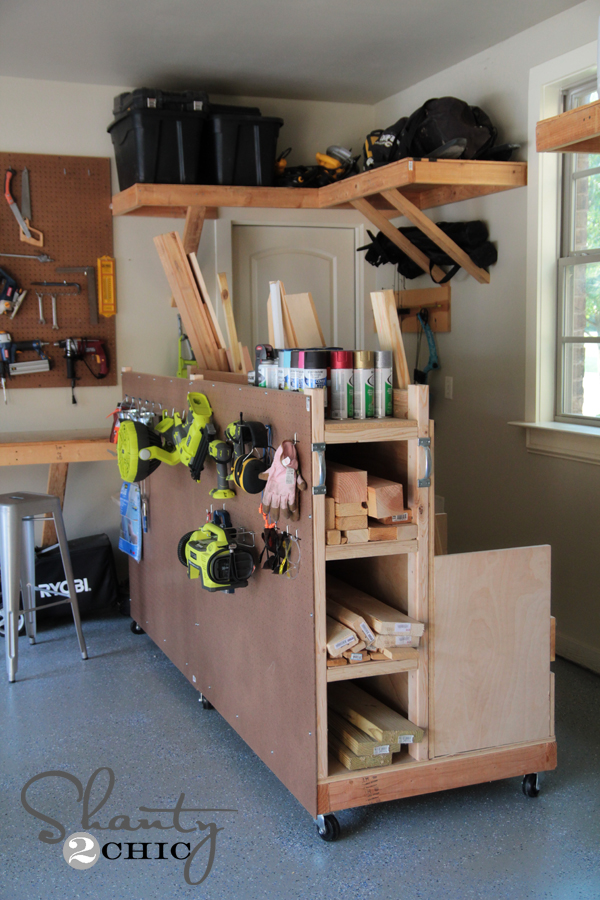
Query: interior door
[(304, 258), (490, 650)]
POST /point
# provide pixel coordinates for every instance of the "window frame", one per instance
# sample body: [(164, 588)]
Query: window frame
[(568, 258)]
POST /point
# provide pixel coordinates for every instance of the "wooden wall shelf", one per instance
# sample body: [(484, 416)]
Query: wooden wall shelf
[(403, 188), (428, 183), (574, 131)]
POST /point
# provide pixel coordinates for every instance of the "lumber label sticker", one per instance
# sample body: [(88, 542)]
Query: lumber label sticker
[(367, 632), (402, 640), (380, 751), (402, 627), (351, 639), (406, 738)]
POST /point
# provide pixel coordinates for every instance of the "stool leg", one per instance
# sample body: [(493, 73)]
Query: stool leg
[(10, 539), (28, 578), (66, 561)]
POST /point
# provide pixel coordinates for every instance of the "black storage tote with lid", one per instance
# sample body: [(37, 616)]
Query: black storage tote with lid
[(241, 147), (157, 136)]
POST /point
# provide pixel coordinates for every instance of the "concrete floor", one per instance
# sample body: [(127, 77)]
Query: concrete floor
[(128, 708)]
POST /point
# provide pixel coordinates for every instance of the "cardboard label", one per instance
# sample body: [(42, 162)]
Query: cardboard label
[(402, 627)]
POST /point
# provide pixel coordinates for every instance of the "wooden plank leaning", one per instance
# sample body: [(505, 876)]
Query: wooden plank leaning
[(189, 303), (389, 334), (192, 231), (234, 345)]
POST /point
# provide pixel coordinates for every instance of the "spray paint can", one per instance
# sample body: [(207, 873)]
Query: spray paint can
[(285, 358), (342, 384), (297, 370), (383, 383), (262, 353), (364, 382), (316, 363)]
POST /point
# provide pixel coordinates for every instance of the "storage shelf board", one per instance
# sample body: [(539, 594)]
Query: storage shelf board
[(426, 182), (354, 431), (375, 667), (372, 548), (574, 131), (27, 448)]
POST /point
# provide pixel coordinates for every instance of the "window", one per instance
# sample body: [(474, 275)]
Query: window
[(578, 320)]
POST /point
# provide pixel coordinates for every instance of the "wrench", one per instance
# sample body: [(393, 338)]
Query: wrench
[(54, 316), (40, 298)]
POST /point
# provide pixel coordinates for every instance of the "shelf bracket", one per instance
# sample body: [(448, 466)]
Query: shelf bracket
[(435, 234), (396, 237)]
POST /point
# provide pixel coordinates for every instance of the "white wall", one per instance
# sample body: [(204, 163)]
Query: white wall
[(498, 495), (61, 118)]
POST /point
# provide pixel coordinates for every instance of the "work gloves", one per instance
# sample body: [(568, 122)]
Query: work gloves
[(283, 482)]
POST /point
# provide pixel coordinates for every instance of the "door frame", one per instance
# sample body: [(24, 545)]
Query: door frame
[(350, 219)]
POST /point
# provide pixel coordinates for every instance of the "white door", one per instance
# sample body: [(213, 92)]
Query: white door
[(304, 258)]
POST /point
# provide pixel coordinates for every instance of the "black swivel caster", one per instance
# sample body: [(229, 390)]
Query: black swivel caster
[(137, 629), (206, 704), (328, 827), (531, 785)]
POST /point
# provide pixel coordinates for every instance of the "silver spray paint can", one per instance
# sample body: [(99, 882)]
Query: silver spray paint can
[(364, 384), (383, 383)]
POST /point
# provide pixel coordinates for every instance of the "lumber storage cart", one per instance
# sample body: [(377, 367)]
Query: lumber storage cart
[(481, 687)]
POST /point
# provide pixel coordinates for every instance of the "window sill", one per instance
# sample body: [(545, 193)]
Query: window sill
[(578, 442)]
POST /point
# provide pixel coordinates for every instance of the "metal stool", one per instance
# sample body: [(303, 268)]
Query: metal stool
[(17, 563)]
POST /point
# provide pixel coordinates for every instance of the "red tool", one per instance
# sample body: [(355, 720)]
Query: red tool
[(77, 349)]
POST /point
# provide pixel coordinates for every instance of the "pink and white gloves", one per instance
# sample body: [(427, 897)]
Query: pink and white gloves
[(283, 481)]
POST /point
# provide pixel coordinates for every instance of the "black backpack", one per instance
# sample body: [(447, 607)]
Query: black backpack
[(472, 237), (444, 127)]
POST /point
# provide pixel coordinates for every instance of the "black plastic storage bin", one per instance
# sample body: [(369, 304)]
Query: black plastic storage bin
[(241, 148), (157, 136)]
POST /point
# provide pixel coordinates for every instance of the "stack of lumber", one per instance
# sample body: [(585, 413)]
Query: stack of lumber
[(361, 508), (363, 628), (198, 312), (363, 732)]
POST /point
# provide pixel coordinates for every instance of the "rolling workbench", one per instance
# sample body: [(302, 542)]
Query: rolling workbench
[(481, 686)]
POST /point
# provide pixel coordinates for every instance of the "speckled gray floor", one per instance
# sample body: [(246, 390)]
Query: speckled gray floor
[(129, 709)]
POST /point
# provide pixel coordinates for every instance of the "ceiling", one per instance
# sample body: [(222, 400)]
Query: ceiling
[(354, 51)]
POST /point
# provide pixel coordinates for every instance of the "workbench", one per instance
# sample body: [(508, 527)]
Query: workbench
[(57, 449), (481, 688)]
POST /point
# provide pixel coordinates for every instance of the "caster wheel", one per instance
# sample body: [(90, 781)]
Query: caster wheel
[(137, 629), (206, 704), (328, 828), (531, 785)]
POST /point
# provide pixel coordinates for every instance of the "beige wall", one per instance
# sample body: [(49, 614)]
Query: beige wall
[(498, 495), (61, 118)]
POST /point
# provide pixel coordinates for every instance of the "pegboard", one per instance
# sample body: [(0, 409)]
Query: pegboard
[(251, 653), (70, 205)]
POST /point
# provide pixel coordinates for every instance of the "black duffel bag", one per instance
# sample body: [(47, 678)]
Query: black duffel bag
[(443, 127), (472, 237)]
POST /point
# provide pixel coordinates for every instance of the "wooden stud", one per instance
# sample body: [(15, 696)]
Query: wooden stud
[(389, 334), (230, 323), (351, 523), (350, 509), (346, 484), (332, 536), (339, 638), (356, 536), (192, 232), (380, 532), (384, 497), (57, 485), (329, 513), (371, 715), (216, 328), (435, 234), (353, 762), (380, 617), (349, 618), (574, 131)]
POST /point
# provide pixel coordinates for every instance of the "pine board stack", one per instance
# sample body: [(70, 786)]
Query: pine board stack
[(392, 629), (361, 508)]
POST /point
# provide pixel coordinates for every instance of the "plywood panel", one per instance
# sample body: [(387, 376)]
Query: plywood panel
[(251, 653), (490, 653)]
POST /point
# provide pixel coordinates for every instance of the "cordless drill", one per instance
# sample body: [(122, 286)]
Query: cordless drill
[(76, 349)]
